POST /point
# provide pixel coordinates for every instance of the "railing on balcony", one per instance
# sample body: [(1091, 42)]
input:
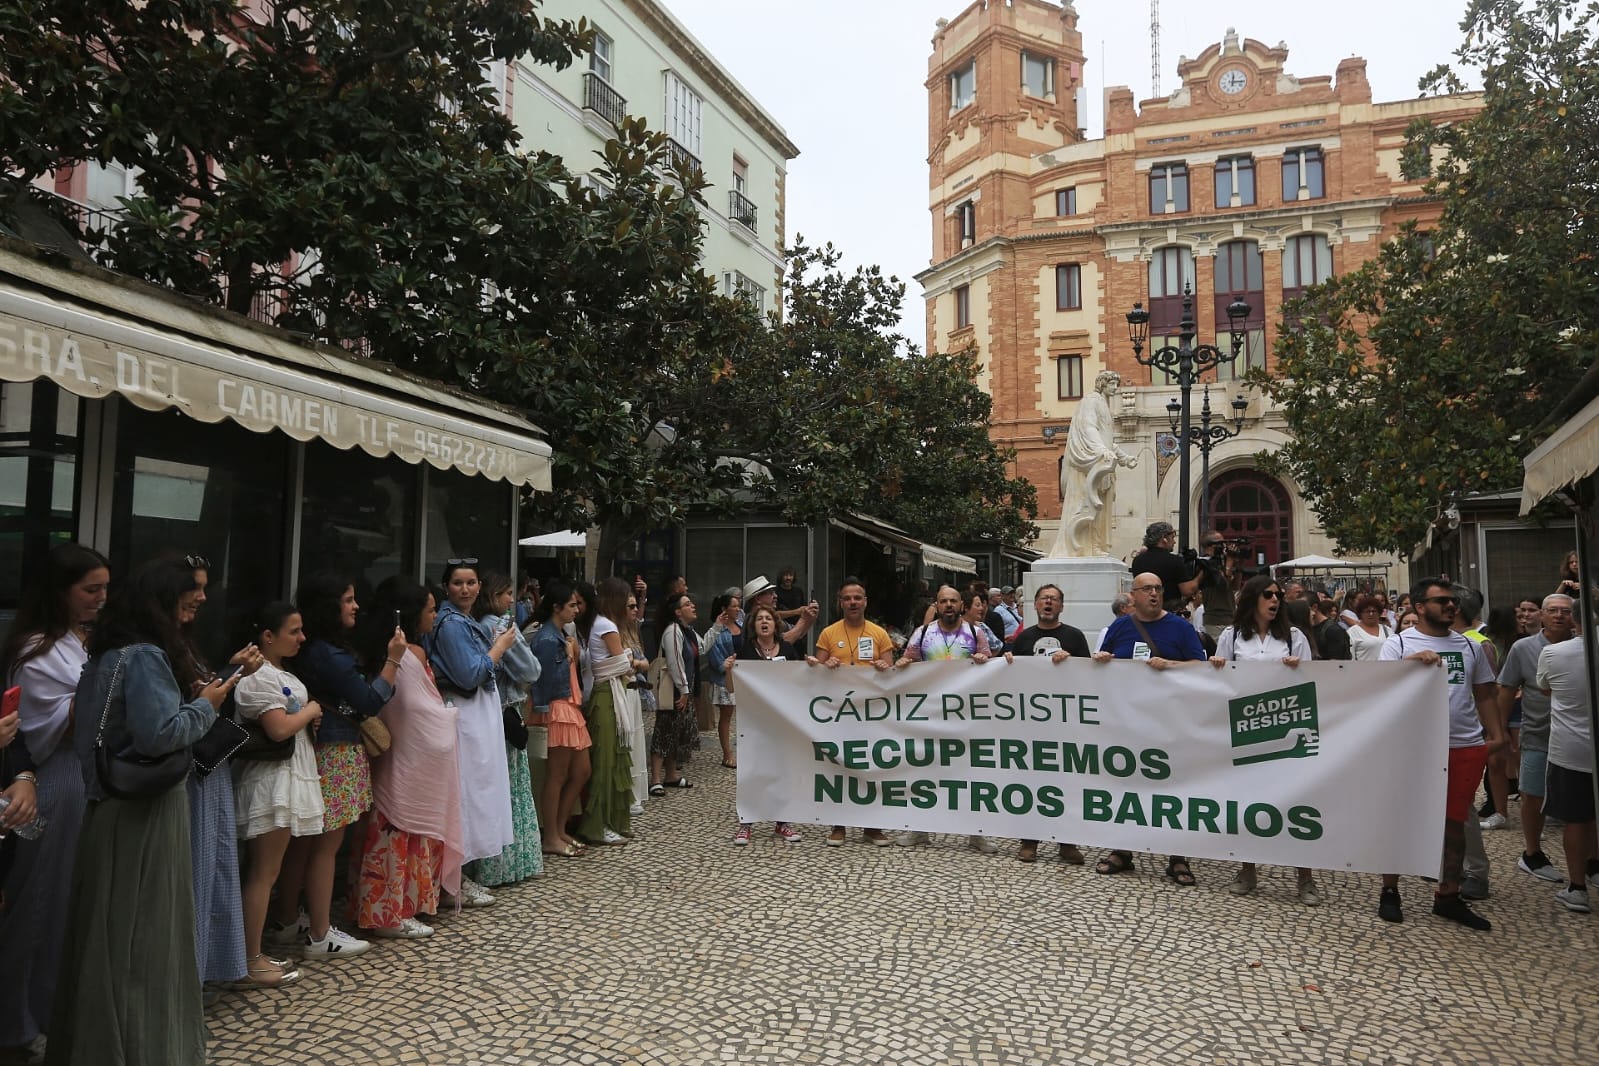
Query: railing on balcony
[(740, 208), (88, 218), (683, 157), (603, 100)]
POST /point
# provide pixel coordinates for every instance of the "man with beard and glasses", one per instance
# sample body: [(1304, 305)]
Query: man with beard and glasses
[(1473, 732), (1060, 642), (948, 636)]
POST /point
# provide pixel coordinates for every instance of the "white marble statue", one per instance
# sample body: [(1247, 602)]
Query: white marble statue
[(1088, 475)]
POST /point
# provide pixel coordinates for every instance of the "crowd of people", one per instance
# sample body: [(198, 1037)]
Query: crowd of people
[(173, 824)]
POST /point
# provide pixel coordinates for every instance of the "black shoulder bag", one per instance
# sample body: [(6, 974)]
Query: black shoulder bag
[(134, 777)]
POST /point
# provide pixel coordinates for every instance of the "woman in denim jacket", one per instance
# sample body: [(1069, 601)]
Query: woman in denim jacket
[(556, 696), (134, 993)]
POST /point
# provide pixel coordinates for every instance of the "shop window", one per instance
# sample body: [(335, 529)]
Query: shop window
[(467, 517), (38, 481), (220, 491), (359, 516)]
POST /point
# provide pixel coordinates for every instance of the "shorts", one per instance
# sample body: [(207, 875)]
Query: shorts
[(1534, 766), (1465, 774), (1515, 715), (1568, 795)]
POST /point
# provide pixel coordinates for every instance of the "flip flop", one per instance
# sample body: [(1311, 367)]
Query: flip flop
[(681, 782), (730, 765)]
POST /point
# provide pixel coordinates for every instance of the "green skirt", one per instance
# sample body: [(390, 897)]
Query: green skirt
[(524, 857), (130, 989), (610, 790)]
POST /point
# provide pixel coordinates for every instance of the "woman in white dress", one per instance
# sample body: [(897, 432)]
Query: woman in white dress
[(274, 798), (1261, 634)]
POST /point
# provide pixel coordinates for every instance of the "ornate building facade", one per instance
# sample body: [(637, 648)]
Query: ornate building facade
[(1247, 181)]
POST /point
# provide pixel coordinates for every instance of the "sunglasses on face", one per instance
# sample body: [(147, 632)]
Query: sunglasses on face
[(1443, 600), (1146, 588), (1270, 594)]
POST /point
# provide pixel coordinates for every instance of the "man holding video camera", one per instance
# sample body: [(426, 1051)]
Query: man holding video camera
[(1220, 578)]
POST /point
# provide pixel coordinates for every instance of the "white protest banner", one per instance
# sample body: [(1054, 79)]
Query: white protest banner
[(1328, 765)]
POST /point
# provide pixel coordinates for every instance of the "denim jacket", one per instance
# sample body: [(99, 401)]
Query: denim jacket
[(518, 669), (721, 644), (334, 680), (458, 648), (555, 672), (147, 715)]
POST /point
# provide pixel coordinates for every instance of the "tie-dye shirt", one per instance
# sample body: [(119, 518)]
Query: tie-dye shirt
[(932, 644)]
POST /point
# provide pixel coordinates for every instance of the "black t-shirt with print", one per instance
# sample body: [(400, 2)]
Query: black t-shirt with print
[(1036, 641)]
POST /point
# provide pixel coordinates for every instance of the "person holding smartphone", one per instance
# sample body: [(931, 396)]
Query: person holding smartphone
[(43, 657)]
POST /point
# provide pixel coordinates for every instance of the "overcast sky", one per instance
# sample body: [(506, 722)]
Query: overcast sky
[(845, 79)]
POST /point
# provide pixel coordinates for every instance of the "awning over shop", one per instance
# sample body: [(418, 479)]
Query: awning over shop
[(948, 560), (566, 538), (1568, 456), (892, 536), (92, 338)]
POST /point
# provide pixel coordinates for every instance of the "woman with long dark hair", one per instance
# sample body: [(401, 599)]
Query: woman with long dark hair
[(1261, 633), (413, 832), (513, 678), (606, 817), (557, 698), (464, 659), (677, 731), (129, 944), (275, 800), (638, 739), (328, 665), (213, 824), (45, 655)]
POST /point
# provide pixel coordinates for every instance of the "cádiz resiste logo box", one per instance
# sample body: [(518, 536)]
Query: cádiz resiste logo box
[(1280, 724)]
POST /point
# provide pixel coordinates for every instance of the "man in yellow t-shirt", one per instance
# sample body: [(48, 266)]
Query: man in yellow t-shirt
[(853, 641)]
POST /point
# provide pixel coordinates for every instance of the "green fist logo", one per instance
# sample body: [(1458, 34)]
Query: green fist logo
[(1280, 724)]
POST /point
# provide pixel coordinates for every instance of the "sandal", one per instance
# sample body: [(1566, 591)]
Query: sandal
[(730, 765), (681, 782), (1183, 876), (1117, 862), (657, 789), (263, 972), (566, 851)]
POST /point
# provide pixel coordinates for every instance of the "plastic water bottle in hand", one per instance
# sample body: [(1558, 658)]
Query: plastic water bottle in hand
[(30, 831)]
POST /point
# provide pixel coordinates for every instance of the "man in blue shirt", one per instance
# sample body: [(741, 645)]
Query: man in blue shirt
[(1163, 640)]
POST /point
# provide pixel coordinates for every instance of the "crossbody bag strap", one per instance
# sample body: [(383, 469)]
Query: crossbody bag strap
[(116, 675), (1153, 647)]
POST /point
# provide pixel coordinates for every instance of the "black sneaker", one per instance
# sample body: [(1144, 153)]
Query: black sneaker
[(1458, 910), (1538, 864), (1388, 908)]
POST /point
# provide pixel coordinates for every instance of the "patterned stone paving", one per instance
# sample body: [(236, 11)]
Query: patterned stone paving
[(680, 948)]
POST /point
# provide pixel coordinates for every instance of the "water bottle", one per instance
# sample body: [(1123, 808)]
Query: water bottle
[(291, 701), (30, 831)]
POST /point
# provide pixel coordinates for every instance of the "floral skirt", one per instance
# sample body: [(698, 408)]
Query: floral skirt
[(346, 783), (401, 874), (676, 735), (524, 857)]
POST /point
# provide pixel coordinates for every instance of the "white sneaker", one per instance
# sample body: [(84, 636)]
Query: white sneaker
[(289, 936), (1574, 899), (337, 944), (474, 894), (1494, 821), (613, 837), (408, 929), (637, 808), (914, 836), (982, 844)]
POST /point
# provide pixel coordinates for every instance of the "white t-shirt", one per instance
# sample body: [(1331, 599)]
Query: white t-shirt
[(596, 645), (1464, 666), (1365, 648), (1563, 670), (1257, 649)]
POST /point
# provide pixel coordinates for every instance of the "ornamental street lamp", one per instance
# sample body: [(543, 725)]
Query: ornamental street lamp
[(1206, 437), (1185, 362)]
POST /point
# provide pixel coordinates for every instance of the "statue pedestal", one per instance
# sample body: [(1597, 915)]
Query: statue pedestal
[(1089, 584)]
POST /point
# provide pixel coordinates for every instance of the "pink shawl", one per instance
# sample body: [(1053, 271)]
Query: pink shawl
[(416, 783)]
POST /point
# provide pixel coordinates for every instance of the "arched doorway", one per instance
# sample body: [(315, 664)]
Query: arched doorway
[(1249, 504)]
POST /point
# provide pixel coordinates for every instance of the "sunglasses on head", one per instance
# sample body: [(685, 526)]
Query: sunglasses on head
[(197, 562), (470, 560)]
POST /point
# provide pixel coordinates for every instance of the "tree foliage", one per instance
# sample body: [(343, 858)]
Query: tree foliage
[(344, 167), (1422, 376)]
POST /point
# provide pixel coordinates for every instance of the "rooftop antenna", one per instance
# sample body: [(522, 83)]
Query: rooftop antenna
[(1154, 48)]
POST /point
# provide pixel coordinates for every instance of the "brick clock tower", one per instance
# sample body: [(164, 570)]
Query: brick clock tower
[(1247, 181)]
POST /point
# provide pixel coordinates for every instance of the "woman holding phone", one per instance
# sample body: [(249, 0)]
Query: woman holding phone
[(130, 928), (44, 657)]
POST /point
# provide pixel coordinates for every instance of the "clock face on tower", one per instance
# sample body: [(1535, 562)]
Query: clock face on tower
[(1233, 82)]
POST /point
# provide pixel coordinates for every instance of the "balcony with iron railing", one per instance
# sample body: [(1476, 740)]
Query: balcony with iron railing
[(683, 157), (604, 101), (740, 209)]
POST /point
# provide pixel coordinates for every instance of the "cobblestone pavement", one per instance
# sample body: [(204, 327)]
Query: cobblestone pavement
[(680, 948)]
